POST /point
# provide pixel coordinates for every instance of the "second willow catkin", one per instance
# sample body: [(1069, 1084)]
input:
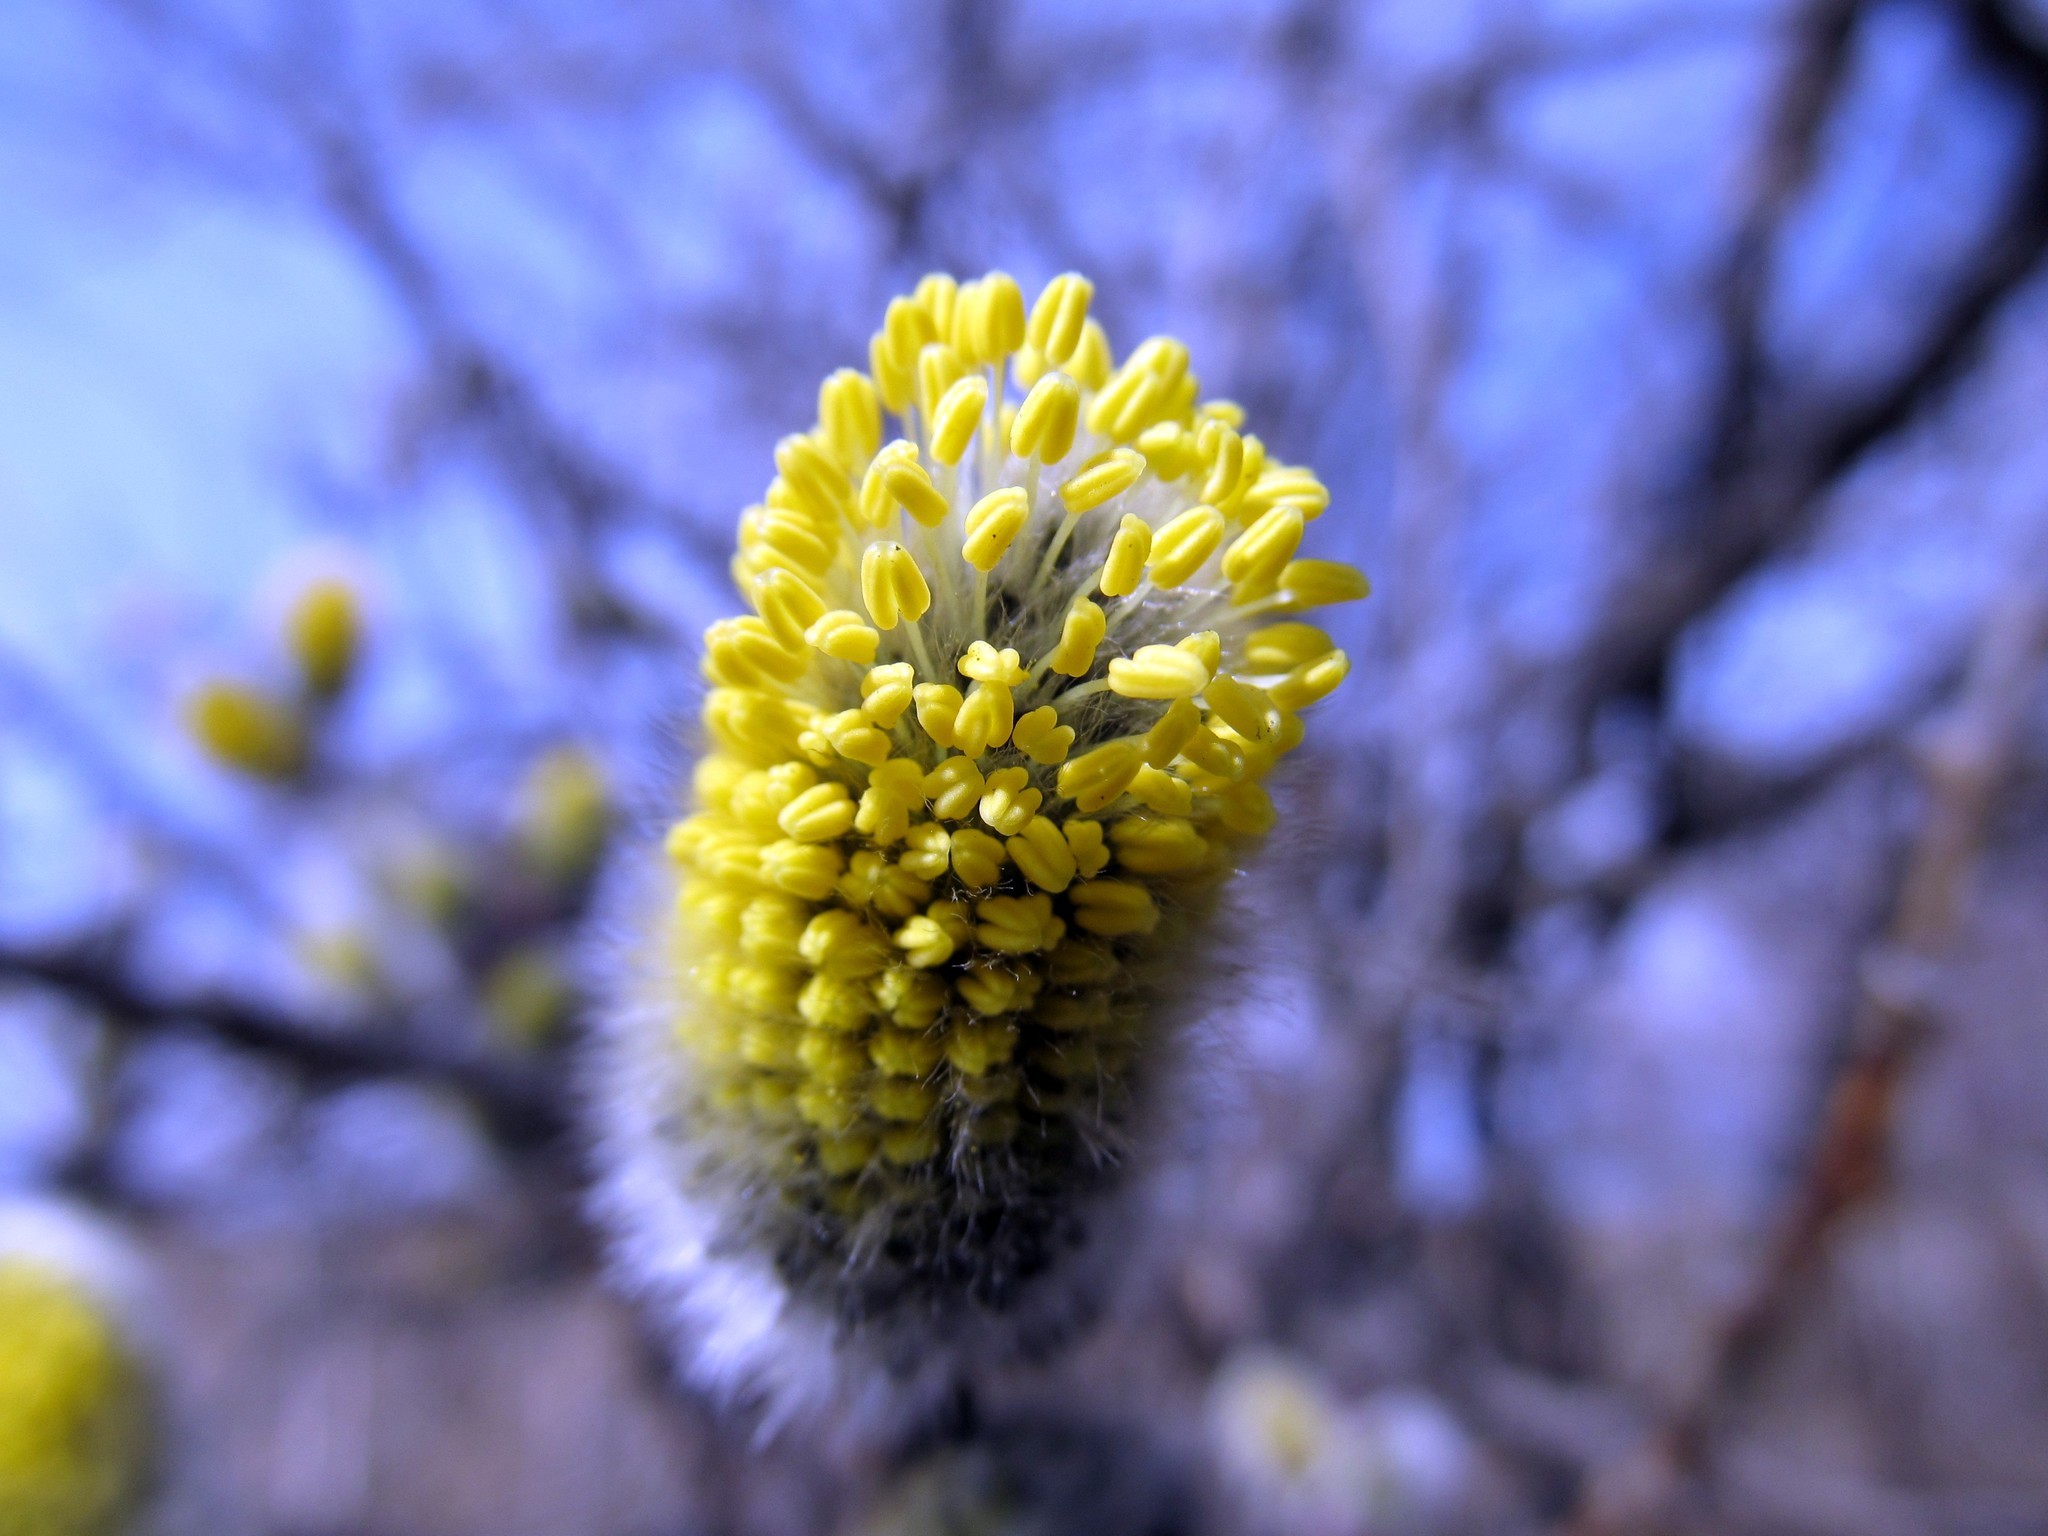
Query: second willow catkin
[(975, 769)]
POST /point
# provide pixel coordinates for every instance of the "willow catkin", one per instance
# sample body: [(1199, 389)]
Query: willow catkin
[(975, 768)]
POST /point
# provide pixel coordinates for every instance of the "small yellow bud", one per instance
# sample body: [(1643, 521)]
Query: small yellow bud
[(1007, 804), (1040, 736), (1057, 319), (324, 629), (247, 730)]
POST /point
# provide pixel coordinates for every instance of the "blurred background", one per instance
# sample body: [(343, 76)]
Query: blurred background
[(1635, 1116)]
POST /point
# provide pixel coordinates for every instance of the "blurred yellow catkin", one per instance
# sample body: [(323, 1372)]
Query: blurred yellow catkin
[(565, 811), (245, 729), (73, 1411), (324, 632)]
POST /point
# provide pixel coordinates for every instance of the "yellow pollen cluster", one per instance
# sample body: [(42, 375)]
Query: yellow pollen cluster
[(1025, 644)]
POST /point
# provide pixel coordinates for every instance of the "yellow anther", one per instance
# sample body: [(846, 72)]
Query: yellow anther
[(755, 727), (876, 503), (1158, 845), (927, 851), (990, 989), (895, 373), (713, 780), (841, 1155), (802, 869), (840, 943), (1091, 362), (1213, 755), (939, 295), (910, 998), (892, 586), (1288, 485), (909, 327), (938, 710), (957, 417), (849, 418), (1319, 583), (1095, 778), (885, 692), (835, 1002), (787, 603), (985, 720), (843, 634), (907, 1146), (939, 368), (872, 881), (758, 797), (1082, 632), (1245, 709), (1183, 546), (833, 1060), (993, 524), (771, 536), (1077, 964), (1283, 647), (1165, 357), (1106, 476), (903, 1101), (905, 1052), (1235, 505), (1045, 422), (770, 928), (1018, 925), (1074, 1015), (1169, 449), (1008, 803), (977, 858), (747, 653), (907, 482), (954, 788), (1040, 736), (1084, 840), (849, 734), (1158, 672), (1257, 556), (1229, 412), (1113, 908), (1205, 644), (1310, 681), (1042, 856), (766, 1042), (821, 812), (1059, 316), (1129, 403), (1172, 732), (997, 325), (1222, 452), (943, 922), (894, 794), (1246, 809), (985, 664), (813, 472), (1127, 555), (1158, 790), (978, 1049)]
